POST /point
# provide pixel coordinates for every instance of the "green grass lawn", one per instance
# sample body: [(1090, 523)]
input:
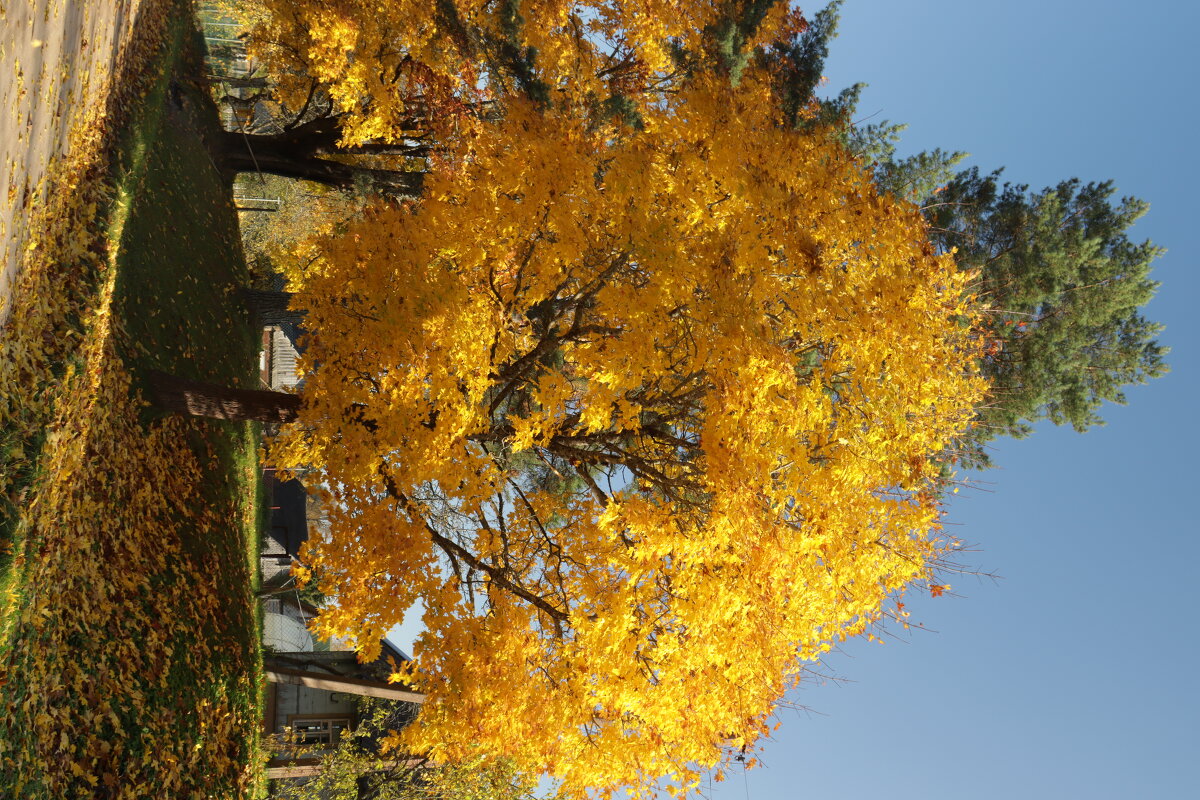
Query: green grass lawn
[(130, 663), (180, 266)]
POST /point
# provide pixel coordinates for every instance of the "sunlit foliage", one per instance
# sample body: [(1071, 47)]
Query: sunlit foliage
[(388, 70), (644, 417), (357, 768)]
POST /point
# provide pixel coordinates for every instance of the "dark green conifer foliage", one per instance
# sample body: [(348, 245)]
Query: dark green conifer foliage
[(799, 66), (1066, 287), (728, 37)]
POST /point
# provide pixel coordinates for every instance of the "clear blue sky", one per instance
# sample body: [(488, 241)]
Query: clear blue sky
[(1075, 675)]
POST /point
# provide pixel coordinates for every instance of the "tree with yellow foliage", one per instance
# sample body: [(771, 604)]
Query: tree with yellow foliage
[(642, 401), (385, 69), (368, 95), (644, 419)]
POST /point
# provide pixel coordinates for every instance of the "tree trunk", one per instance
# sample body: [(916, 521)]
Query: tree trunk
[(303, 141), (297, 154), (196, 399), (317, 137), (330, 173), (270, 307)]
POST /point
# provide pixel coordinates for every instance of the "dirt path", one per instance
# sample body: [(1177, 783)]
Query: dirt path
[(57, 56)]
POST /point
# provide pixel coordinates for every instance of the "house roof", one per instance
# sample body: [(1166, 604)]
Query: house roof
[(343, 662)]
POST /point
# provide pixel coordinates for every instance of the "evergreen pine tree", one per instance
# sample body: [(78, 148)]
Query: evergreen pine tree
[(1065, 282), (1066, 287)]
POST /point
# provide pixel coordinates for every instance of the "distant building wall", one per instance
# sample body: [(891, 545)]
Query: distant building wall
[(292, 702)]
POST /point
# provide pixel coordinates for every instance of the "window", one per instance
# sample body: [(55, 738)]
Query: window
[(319, 730)]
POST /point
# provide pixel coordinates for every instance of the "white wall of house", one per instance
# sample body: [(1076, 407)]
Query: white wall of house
[(301, 701)]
